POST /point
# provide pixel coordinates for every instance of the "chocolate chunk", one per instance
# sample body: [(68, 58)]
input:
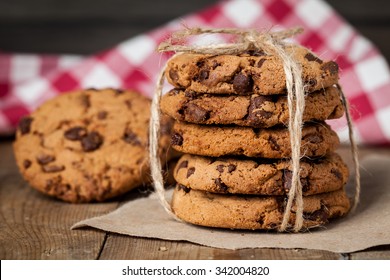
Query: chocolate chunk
[(184, 188), (287, 181), (312, 82), (190, 171), (85, 101), (102, 115), (52, 168), (25, 125), (260, 63), (330, 67), (118, 91), (313, 138), (215, 64), (320, 215), (242, 83), (220, 168), (200, 63), (130, 137), (75, 133), (195, 113), (281, 202), (221, 185), (231, 168), (45, 159), (183, 164), (91, 141), (128, 104), (274, 144), (26, 163), (203, 75), (173, 75), (177, 139), (311, 57), (336, 173), (256, 115)]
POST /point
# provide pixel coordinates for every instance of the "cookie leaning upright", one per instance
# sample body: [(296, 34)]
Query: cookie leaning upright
[(87, 145)]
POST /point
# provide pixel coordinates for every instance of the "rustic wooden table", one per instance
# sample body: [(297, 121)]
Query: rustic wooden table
[(33, 226)]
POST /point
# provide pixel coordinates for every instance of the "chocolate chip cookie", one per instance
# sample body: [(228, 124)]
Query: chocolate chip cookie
[(254, 212), (248, 73), (259, 177), (88, 145), (251, 110), (318, 139)]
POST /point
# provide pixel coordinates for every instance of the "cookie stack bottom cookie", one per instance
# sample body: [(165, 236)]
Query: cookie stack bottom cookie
[(236, 172)]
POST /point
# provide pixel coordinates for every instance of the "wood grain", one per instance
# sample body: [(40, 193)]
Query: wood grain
[(123, 247)]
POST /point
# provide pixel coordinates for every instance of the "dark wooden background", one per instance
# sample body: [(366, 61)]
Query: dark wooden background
[(87, 26)]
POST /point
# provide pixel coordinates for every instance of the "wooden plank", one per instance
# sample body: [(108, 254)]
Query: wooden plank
[(33, 226), (376, 253), (125, 247)]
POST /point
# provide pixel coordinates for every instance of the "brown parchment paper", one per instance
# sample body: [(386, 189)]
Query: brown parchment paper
[(369, 226)]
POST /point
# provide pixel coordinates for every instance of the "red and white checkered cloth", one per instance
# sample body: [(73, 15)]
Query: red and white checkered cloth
[(28, 80)]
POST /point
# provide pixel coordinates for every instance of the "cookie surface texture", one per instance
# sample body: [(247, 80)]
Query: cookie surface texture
[(251, 110), (253, 212), (88, 145), (252, 72), (318, 139), (261, 177)]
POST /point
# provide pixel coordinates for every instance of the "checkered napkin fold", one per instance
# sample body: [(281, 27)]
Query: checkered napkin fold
[(28, 80)]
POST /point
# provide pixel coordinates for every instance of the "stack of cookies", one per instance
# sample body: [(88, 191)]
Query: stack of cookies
[(231, 117)]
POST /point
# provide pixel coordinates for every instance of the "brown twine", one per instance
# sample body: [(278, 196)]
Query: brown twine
[(271, 43)]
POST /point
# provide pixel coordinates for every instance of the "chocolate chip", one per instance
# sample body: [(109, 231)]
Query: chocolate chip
[(130, 137), (330, 67), (173, 75), (195, 113), (75, 133), (320, 215), (256, 115), (102, 115), (91, 141), (184, 188), (85, 101), (25, 125), (215, 64), (312, 82), (177, 139), (45, 159), (203, 75), (190, 171), (118, 91), (26, 163), (183, 164), (313, 138), (260, 63), (311, 57), (274, 144), (220, 168), (336, 173), (287, 181), (242, 83), (200, 63), (221, 185), (231, 168), (128, 104), (52, 168)]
